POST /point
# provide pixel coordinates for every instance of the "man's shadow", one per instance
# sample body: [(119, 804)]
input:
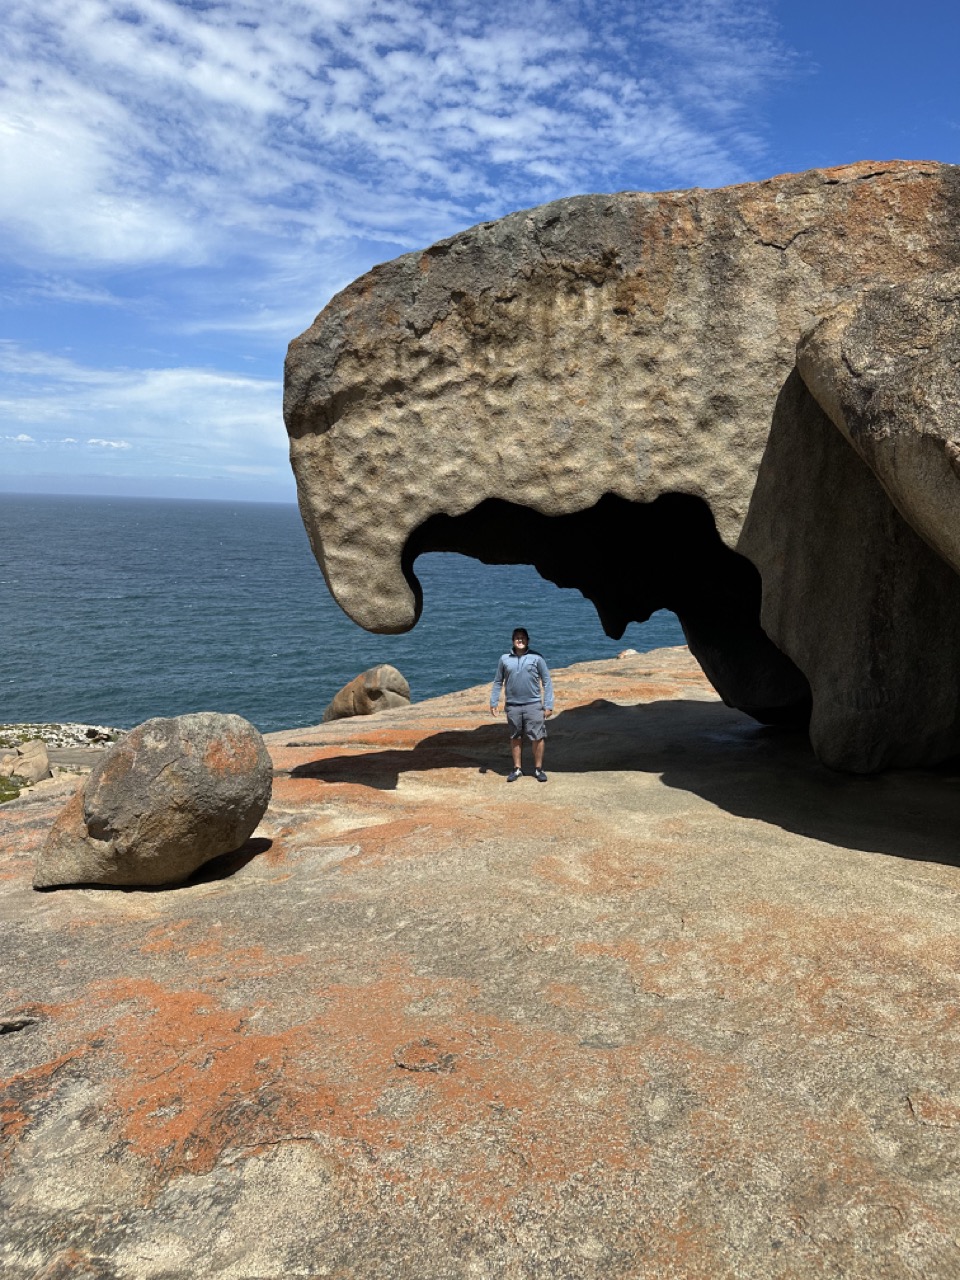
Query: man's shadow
[(711, 751)]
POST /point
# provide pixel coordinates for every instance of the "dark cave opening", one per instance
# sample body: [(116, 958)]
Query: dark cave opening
[(630, 559)]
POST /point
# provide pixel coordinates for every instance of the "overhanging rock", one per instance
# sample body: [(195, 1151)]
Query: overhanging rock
[(885, 365), (604, 373)]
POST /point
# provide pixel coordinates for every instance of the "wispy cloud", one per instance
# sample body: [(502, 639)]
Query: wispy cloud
[(183, 185), (172, 419), (159, 130)]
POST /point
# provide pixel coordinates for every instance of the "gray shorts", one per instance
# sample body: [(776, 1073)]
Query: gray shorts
[(526, 718)]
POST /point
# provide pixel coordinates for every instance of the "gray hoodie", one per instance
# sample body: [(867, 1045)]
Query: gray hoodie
[(525, 676)]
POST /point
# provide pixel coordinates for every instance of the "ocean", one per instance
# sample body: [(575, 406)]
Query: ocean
[(119, 609)]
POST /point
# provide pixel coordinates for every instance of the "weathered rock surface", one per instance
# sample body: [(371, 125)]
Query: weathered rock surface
[(28, 761), (170, 796), (632, 344), (686, 1011), (855, 597), (373, 690), (590, 387), (885, 365)]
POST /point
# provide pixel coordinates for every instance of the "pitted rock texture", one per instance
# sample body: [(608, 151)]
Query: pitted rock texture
[(170, 796), (371, 691), (687, 1012), (592, 387), (885, 365), (628, 344)]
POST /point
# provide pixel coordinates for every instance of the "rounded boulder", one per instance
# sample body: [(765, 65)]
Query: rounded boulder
[(377, 689), (170, 796)]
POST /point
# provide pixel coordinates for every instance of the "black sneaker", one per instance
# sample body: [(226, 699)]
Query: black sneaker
[(539, 775), (514, 774)]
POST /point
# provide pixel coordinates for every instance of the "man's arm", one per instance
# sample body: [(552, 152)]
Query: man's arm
[(547, 685), (497, 686)]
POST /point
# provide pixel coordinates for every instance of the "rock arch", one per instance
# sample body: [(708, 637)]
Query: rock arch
[(630, 559), (626, 348)]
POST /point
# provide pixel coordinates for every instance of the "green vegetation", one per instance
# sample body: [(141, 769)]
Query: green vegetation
[(13, 735), (9, 789), (56, 735)]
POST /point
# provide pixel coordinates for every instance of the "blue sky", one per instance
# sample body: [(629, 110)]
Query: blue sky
[(185, 183)]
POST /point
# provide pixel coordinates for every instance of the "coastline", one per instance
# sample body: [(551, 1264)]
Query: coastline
[(57, 734), (72, 750), (73, 747)]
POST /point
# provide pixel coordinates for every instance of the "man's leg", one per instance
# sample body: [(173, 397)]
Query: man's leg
[(538, 735), (515, 725)]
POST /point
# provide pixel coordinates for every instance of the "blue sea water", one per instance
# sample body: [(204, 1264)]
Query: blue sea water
[(118, 609)]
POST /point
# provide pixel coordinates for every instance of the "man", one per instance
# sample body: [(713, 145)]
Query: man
[(529, 700)]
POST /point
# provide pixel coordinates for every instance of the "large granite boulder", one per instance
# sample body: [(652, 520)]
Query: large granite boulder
[(590, 387), (855, 597), (371, 691), (885, 365), (170, 796)]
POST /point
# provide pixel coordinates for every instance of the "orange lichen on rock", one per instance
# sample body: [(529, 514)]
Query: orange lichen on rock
[(196, 1080), (230, 754), (689, 1010), (213, 946)]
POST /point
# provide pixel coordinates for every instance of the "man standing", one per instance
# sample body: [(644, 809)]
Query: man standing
[(529, 700)]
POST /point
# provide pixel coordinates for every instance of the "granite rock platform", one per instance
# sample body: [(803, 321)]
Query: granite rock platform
[(688, 1010)]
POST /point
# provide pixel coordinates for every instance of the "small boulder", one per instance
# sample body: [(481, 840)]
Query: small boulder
[(371, 691), (170, 796), (29, 761)]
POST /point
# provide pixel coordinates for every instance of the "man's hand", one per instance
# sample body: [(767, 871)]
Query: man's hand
[(548, 711), (494, 711)]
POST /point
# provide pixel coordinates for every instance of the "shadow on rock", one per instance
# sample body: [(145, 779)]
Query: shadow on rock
[(222, 867), (714, 752), (228, 864)]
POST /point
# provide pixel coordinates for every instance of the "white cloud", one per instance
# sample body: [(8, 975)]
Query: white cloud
[(25, 363), (185, 176), (157, 130), (201, 419), (62, 289), (34, 290), (65, 186)]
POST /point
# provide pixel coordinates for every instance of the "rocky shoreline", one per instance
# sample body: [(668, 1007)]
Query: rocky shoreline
[(68, 748), (57, 735)]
